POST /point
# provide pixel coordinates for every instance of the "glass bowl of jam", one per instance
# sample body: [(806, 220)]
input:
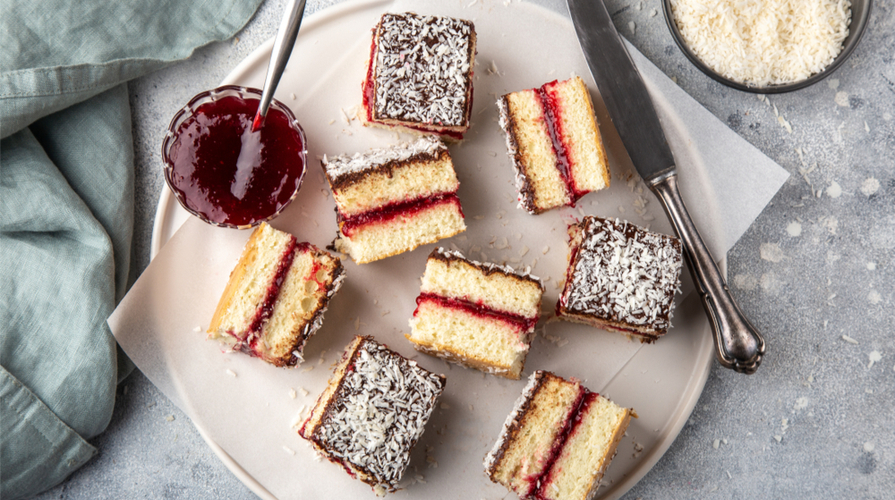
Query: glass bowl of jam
[(223, 172)]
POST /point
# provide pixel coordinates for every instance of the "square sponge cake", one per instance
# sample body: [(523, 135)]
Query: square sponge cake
[(554, 144), (276, 296), (419, 74), (476, 314), (372, 413), (392, 200), (558, 441), (621, 277)]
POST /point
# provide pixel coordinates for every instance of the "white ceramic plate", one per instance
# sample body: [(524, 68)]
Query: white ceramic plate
[(523, 47)]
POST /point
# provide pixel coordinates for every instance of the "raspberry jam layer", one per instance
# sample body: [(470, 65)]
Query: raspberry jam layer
[(265, 309), (585, 401), (553, 120), (386, 213), (479, 310), (368, 81), (228, 174)]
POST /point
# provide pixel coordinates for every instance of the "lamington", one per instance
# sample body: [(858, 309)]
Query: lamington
[(476, 314), (395, 199), (419, 74), (621, 278), (554, 144), (558, 441), (372, 413), (276, 296)]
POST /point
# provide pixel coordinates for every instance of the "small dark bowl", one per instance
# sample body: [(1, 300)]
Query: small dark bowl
[(860, 15)]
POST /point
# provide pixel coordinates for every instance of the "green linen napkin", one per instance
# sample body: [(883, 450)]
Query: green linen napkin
[(66, 210)]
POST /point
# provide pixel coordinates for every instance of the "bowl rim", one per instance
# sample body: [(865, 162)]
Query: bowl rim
[(857, 28), (212, 95)]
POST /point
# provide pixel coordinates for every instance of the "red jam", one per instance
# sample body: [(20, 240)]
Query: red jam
[(227, 174), (553, 120), (479, 310), (386, 213), (582, 406), (265, 309)]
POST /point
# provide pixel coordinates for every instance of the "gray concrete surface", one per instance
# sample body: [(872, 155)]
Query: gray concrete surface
[(815, 273)]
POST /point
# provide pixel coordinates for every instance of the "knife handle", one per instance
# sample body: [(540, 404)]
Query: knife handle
[(738, 345)]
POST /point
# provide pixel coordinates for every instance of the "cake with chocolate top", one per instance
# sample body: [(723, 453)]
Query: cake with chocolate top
[(419, 74), (554, 144), (476, 314), (395, 199), (372, 413), (558, 441), (276, 296), (620, 277)]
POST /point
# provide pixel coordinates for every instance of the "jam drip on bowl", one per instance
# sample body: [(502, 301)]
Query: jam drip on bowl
[(227, 174)]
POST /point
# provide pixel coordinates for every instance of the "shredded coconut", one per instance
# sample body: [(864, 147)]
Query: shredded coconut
[(421, 69), (380, 411), (624, 273), (342, 165), (764, 43)]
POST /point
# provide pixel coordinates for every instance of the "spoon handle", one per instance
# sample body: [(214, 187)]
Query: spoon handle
[(279, 56)]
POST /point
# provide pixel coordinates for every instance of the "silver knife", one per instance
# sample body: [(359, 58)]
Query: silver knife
[(738, 345)]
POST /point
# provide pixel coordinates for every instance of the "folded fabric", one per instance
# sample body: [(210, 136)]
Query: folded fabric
[(66, 210)]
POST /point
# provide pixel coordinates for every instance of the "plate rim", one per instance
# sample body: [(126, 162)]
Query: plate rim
[(168, 207)]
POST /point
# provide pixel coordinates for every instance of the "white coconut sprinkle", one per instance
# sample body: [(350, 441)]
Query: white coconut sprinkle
[(624, 274), (379, 412), (422, 68), (489, 266), (764, 43), (339, 166), (875, 356)]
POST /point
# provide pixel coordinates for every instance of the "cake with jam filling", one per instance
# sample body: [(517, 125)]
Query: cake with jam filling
[(554, 144), (395, 199), (558, 441), (419, 74), (372, 413), (276, 296), (476, 314), (621, 278)]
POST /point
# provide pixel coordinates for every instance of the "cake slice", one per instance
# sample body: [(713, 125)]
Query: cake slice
[(475, 314), (620, 277), (276, 296), (393, 200), (589, 447), (372, 413), (554, 143), (558, 441), (419, 74)]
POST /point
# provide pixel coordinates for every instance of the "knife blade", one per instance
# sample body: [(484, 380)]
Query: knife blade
[(738, 345)]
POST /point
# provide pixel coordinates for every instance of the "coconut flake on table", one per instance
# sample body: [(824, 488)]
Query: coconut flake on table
[(764, 43)]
